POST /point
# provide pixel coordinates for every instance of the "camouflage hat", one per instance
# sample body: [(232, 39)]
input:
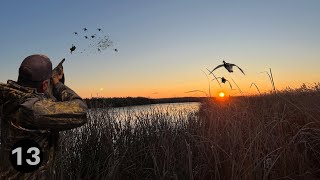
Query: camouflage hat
[(35, 68)]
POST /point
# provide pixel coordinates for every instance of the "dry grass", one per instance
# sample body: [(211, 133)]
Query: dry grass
[(273, 136)]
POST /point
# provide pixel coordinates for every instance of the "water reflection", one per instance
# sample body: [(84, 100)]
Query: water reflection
[(181, 110)]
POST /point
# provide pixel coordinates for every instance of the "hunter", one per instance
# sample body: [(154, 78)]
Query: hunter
[(29, 111)]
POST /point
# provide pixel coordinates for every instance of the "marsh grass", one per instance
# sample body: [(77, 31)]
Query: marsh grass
[(271, 136), (270, 75), (256, 87)]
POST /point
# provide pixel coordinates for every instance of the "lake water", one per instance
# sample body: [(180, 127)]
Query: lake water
[(168, 109)]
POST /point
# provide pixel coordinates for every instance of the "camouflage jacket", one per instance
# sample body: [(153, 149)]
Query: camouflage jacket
[(28, 114)]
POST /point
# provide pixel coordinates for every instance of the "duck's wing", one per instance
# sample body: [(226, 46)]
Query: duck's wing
[(238, 68), (221, 65)]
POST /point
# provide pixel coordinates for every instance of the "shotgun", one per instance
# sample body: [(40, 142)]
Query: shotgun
[(56, 70)]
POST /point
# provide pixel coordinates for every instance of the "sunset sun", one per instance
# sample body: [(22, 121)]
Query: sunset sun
[(221, 94)]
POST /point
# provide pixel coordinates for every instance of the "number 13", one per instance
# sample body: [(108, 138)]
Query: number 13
[(35, 155)]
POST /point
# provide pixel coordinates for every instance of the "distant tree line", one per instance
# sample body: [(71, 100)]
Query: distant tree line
[(135, 101)]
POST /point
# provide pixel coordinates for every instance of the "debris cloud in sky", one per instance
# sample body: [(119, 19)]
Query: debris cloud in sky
[(92, 42)]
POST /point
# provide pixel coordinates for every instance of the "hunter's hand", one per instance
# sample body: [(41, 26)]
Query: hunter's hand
[(57, 77)]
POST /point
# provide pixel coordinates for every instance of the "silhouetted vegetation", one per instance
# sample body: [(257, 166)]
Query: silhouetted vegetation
[(134, 101), (272, 136)]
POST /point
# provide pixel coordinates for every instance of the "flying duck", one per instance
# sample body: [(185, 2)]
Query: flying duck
[(223, 80), (75, 33), (72, 48), (86, 37), (228, 66), (85, 29)]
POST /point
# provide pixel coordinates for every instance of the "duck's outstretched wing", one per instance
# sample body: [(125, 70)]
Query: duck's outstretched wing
[(214, 77), (210, 72), (238, 68)]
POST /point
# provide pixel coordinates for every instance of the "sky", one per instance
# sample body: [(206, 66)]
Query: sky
[(164, 47)]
